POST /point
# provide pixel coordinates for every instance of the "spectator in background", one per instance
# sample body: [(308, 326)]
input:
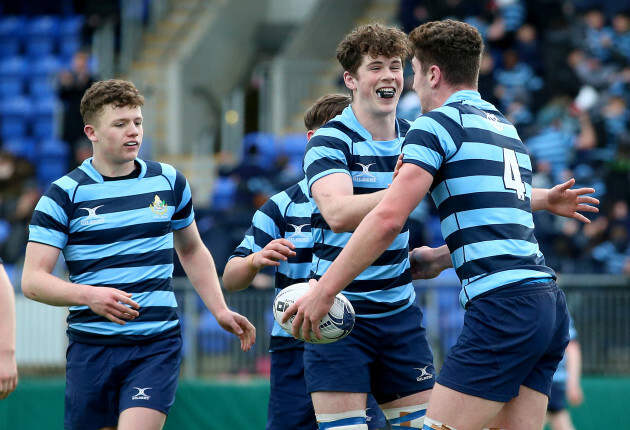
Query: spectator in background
[(598, 37), (566, 385), (72, 84), (18, 196), (621, 37), (8, 366)]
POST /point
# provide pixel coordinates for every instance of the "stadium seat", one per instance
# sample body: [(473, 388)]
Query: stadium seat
[(21, 147), (42, 26), (52, 161), (293, 145), (14, 117), (41, 86), (265, 148), (12, 31), (44, 110), (47, 66), (39, 47), (13, 71)]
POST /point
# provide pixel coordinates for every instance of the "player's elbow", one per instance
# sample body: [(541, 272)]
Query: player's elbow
[(28, 287), (388, 222), (339, 225)]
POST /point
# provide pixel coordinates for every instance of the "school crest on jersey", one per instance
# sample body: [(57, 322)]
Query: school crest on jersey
[(159, 207)]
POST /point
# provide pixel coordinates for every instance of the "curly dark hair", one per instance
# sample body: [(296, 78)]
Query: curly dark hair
[(324, 109), (104, 93), (454, 46), (374, 40)]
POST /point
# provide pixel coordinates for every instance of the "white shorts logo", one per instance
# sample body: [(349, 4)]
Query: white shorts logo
[(424, 375), (141, 395)]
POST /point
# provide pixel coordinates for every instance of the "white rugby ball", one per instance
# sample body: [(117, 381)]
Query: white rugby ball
[(335, 325)]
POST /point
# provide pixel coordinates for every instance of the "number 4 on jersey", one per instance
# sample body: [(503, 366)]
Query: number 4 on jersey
[(512, 174)]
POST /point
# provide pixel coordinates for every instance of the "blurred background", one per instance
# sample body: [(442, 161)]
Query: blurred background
[(226, 84)]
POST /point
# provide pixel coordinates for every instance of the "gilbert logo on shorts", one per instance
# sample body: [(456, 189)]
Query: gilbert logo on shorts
[(141, 394), (92, 217), (159, 207), (424, 375), (297, 235), (365, 175)]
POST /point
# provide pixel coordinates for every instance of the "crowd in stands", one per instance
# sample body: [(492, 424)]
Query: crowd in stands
[(558, 69)]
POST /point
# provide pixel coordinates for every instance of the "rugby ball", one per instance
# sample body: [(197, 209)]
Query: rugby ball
[(335, 325)]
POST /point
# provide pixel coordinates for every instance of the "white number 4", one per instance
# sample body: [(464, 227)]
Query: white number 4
[(512, 174)]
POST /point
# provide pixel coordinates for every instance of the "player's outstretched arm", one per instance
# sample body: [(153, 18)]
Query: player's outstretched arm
[(199, 266), (427, 263), (39, 284), (8, 366), (564, 201), (240, 271)]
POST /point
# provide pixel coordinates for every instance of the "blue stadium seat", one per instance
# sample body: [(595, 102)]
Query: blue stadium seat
[(293, 145), (71, 25), (14, 117), (41, 86), (9, 47), (42, 26), (266, 146), (13, 71), (47, 66), (12, 31), (24, 147), (52, 161), (39, 47), (43, 117)]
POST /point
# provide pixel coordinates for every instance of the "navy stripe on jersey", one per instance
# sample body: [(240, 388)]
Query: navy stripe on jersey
[(163, 256), (118, 234), (154, 313), (285, 215), (345, 146), (482, 189), (128, 339)]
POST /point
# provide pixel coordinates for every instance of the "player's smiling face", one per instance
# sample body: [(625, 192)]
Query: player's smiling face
[(378, 83), (117, 134)]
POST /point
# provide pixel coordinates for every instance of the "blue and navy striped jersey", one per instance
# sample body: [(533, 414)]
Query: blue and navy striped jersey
[(343, 145), (285, 215), (482, 190), (118, 234)]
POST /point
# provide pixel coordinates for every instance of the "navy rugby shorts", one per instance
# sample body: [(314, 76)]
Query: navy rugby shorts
[(511, 337), (102, 381)]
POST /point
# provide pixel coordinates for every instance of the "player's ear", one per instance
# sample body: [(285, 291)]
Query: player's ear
[(349, 80), (90, 132), (309, 134)]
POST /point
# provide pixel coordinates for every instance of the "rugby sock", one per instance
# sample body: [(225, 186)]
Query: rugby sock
[(351, 420), (430, 424), (407, 416)]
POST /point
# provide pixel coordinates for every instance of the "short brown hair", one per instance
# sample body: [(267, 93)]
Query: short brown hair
[(104, 93), (374, 40), (324, 109), (454, 46)]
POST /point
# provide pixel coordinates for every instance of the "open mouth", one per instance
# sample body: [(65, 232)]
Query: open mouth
[(386, 93), (131, 144)]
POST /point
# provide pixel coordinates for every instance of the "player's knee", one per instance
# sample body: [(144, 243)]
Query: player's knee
[(407, 416), (430, 424), (351, 420)]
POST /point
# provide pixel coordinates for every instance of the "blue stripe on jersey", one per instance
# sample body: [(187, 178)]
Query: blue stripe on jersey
[(285, 215), (488, 229), (344, 145), (118, 234)]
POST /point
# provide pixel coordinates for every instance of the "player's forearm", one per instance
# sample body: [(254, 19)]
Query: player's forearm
[(44, 287), (367, 243), (539, 199), (239, 273), (345, 213), (201, 271), (7, 310), (574, 362)]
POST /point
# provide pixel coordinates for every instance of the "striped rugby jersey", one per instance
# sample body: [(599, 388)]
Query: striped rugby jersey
[(118, 234), (482, 190), (343, 145), (285, 215)]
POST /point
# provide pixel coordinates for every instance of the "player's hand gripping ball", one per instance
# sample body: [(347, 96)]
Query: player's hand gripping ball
[(335, 325)]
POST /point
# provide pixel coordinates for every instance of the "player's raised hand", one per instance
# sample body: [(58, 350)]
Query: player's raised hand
[(273, 253), (238, 325), (563, 201), (8, 373), (113, 304)]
